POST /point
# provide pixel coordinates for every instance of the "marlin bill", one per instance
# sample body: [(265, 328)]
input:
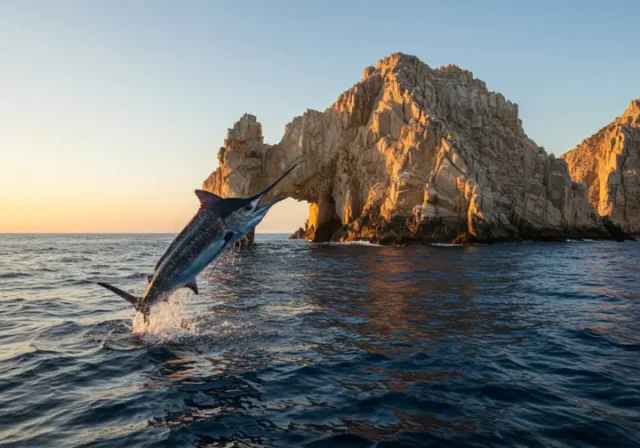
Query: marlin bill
[(217, 225)]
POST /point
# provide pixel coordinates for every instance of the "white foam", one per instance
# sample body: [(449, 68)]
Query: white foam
[(179, 318), (291, 309), (167, 320), (352, 243)]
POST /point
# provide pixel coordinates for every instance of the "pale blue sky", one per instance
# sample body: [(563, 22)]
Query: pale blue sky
[(112, 112)]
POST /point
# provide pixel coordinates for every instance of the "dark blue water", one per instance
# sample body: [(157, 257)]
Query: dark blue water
[(290, 344)]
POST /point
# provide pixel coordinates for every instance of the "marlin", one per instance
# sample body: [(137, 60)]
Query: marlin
[(216, 226)]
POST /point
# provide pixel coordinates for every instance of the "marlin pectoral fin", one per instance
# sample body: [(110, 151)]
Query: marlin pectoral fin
[(207, 199), (193, 286)]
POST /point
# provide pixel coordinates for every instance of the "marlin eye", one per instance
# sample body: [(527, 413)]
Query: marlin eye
[(248, 207)]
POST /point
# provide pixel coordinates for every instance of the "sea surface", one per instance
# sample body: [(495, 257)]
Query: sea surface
[(295, 344)]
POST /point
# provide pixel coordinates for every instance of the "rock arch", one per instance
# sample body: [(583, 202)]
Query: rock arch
[(412, 154), (247, 165)]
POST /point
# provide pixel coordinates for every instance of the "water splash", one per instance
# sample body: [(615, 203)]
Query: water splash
[(180, 319), (169, 320)]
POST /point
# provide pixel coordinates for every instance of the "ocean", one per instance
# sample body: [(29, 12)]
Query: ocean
[(327, 345)]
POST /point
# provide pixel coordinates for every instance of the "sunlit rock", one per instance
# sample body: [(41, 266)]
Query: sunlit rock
[(608, 163), (412, 154)]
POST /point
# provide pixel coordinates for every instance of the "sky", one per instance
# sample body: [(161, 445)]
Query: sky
[(112, 112)]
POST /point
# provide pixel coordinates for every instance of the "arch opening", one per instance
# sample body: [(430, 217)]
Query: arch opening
[(285, 217)]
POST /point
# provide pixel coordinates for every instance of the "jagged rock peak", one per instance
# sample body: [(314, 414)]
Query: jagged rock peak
[(631, 116), (608, 163), (412, 154)]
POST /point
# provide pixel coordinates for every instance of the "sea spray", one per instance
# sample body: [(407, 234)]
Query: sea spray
[(169, 320), (181, 319)]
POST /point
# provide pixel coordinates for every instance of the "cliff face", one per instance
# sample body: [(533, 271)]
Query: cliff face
[(608, 162), (412, 154)]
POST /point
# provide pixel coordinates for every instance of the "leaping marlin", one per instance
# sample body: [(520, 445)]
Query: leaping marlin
[(216, 226)]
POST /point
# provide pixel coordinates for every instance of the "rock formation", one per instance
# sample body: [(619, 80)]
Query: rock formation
[(412, 154), (298, 234), (608, 162)]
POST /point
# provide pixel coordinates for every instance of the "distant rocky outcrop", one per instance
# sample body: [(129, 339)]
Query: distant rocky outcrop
[(608, 163), (412, 154), (298, 234)]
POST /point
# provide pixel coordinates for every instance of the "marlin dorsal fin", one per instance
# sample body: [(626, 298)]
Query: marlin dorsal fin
[(207, 199)]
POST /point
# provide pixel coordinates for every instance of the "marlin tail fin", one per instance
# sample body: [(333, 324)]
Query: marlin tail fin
[(135, 301)]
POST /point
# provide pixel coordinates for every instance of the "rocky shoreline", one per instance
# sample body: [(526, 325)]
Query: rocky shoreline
[(402, 233)]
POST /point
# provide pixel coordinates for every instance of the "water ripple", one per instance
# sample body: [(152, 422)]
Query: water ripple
[(291, 344)]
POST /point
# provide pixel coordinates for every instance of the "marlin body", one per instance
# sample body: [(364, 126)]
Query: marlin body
[(218, 224)]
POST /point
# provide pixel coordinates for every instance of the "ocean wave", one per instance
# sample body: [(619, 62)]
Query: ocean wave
[(72, 259), (46, 249), (9, 275), (136, 275), (81, 282)]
